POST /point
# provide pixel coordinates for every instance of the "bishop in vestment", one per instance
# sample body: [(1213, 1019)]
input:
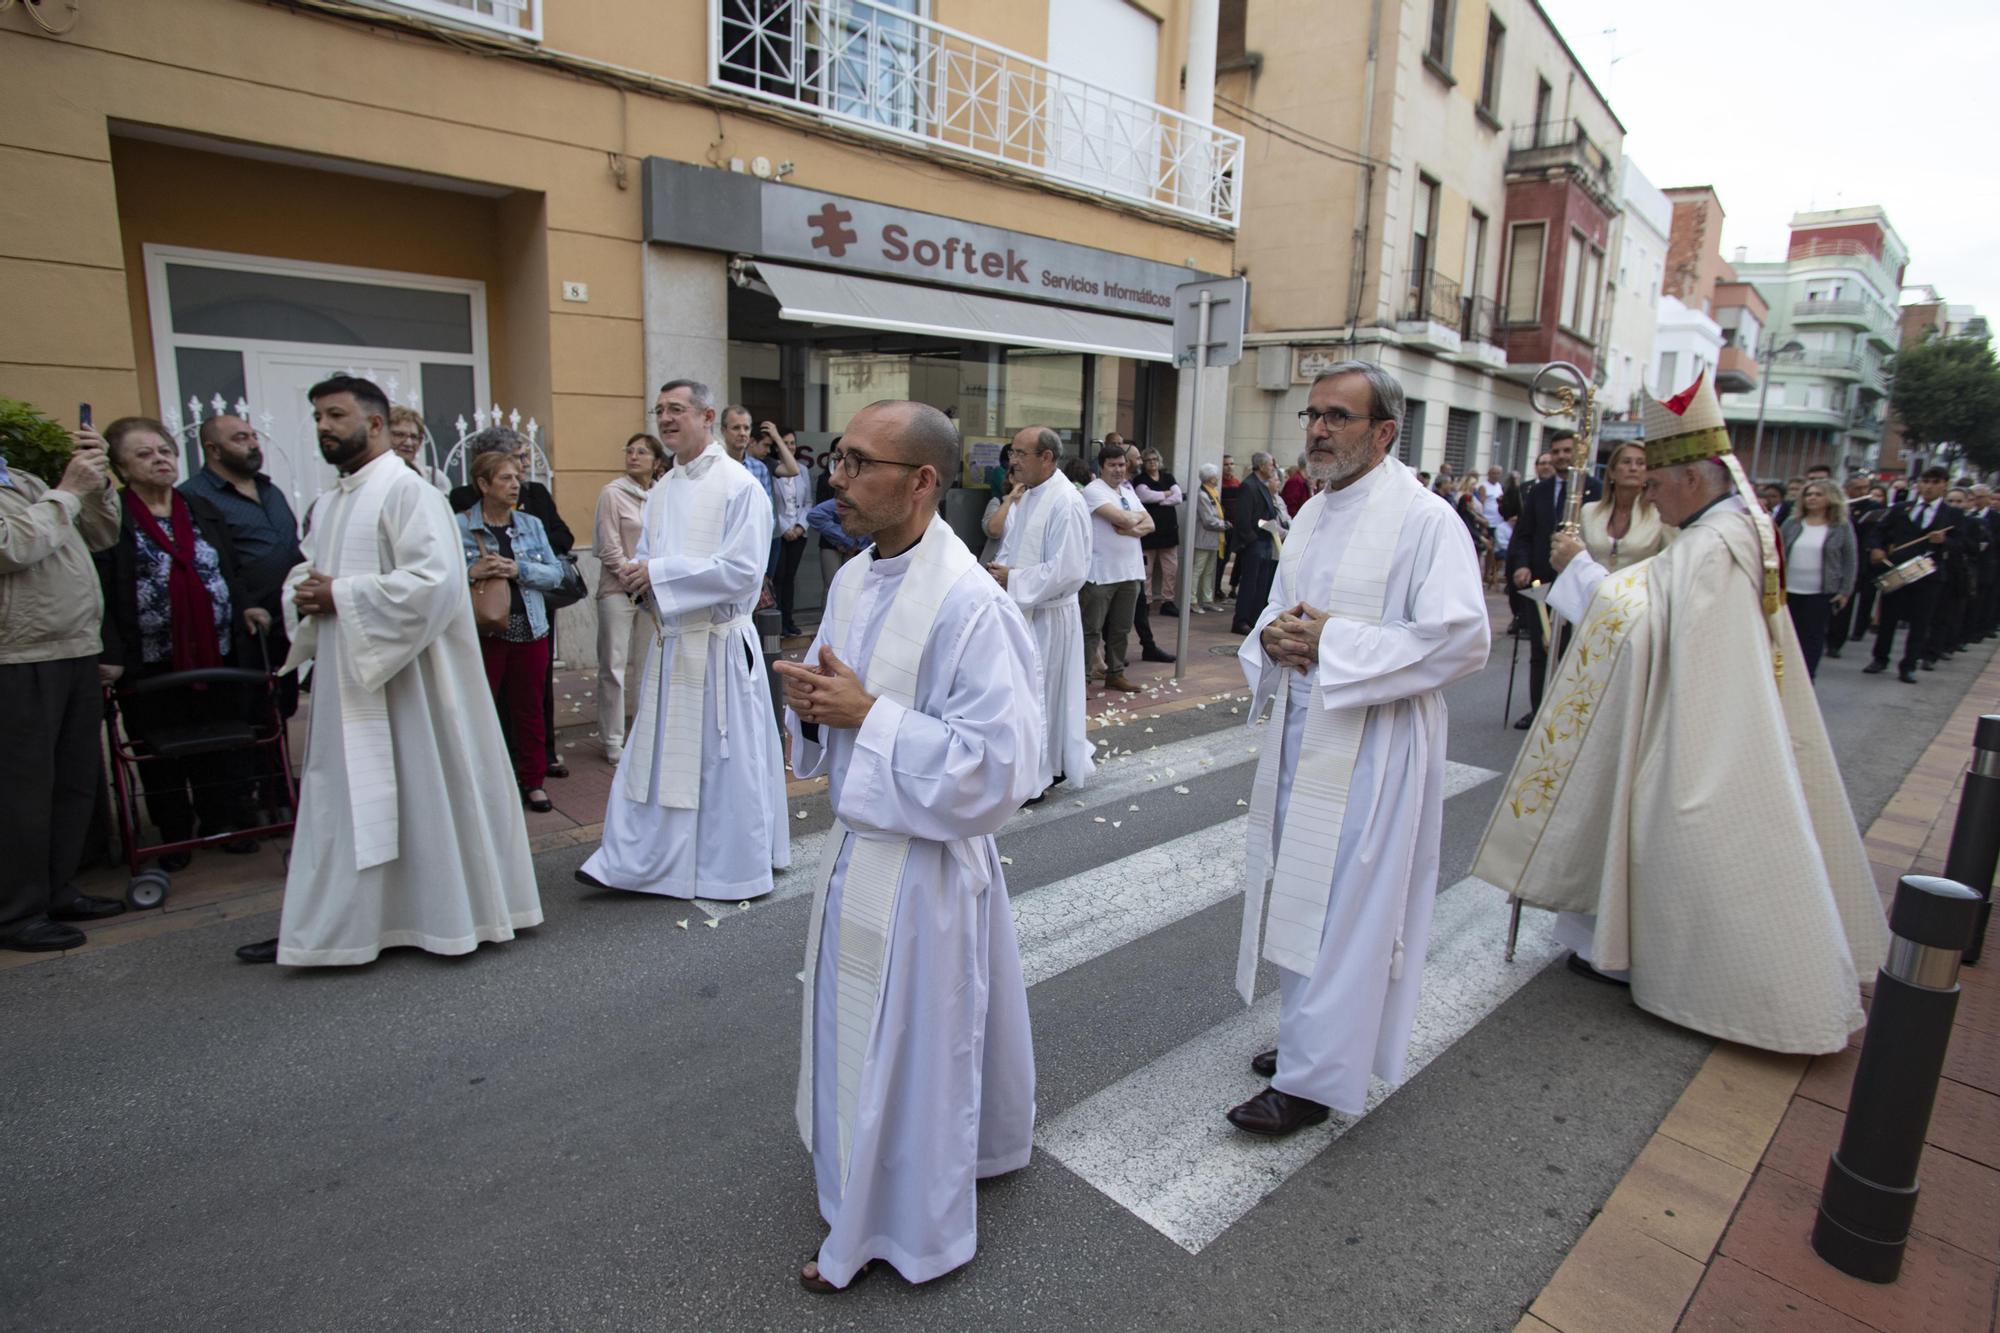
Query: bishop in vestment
[(698, 807), (918, 702), (1376, 607), (409, 830), (1042, 563), (1677, 797)]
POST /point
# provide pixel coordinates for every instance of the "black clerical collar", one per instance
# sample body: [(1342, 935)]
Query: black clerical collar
[(883, 553), (1691, 519)]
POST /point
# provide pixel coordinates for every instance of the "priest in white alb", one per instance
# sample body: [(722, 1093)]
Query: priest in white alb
[(1376, 607), (409, 830), (1677, 801), (918, 702), (1042, 562), (697, 809)]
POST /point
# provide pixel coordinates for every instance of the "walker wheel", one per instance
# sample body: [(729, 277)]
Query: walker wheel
[(148, 889)]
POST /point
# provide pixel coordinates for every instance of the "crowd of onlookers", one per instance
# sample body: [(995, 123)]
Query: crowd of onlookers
[(188, 574)]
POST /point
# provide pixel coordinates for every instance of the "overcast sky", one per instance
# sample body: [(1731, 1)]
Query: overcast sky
[(1784, 107)]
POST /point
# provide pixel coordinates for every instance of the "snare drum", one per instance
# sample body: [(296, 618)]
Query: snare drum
[(1903, 575)]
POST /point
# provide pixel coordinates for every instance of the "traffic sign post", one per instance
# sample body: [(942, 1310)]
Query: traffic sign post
[(1209, 318)]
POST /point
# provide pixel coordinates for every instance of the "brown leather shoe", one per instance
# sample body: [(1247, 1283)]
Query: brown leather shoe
[(1275, 1114), (1118, 682)]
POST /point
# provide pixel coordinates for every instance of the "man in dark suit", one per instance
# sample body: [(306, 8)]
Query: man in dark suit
[(1933, 521), (1865, 505), (1952, 621), (1256, 500), (1528, 553)]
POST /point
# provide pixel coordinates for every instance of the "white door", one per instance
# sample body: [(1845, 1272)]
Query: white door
[(278, 381)]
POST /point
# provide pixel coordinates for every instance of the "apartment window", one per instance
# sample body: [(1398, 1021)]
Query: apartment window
[(1667, 385), (1489, 69), (1525, 243), (1475, 255), (1423, 228), (1585, 313), (516, 18), (1545, 97), (1437, 47)]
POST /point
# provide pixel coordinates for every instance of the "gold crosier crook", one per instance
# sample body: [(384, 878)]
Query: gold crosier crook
[(1560, 389)]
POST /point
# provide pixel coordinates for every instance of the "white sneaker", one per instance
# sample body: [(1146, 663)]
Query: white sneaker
[(613, 752)]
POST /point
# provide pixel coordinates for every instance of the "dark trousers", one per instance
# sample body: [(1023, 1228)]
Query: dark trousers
[(1810, 614), (789, 555), (548, 732), (1255, 589), (214, 788), (1910, 606), (49, 715), (1140, 620), (517, 673)]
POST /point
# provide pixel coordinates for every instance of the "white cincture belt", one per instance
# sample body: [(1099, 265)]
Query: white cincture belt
[(686, 638)]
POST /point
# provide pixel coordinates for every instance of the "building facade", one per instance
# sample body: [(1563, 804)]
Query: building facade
[(1643, 230), (548, 207), (1832, 326), (1431, 185)]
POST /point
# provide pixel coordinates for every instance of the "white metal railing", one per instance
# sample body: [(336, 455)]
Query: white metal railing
[(892, 72), (514, 18)]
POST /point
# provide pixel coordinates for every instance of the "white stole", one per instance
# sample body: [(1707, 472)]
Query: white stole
[(1301, 886), (346, 542), (1030, 546), (687, 675), (875, 867)]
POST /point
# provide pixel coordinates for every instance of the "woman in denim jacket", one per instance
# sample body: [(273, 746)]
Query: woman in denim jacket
[(517, 658)]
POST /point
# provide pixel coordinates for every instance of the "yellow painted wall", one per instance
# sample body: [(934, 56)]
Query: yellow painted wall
[(77, 210)]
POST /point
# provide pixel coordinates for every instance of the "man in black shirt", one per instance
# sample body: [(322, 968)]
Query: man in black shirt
[(1925, 526)]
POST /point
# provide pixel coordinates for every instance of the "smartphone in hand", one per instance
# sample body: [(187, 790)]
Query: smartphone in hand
[(83, 415)]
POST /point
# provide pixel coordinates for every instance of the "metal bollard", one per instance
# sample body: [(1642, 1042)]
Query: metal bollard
[(1975, 837), (1870, 1192)]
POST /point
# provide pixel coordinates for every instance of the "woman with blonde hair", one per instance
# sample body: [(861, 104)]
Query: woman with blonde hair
[(1623, 528), (1821, 557)]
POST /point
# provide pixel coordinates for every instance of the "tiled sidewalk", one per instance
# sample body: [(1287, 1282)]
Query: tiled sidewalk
[(1708, 1230)]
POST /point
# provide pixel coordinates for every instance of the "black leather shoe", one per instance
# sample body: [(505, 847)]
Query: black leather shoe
[(1154, 653), (1523, 722), (1265, 1065), (592, 881), (1576, 964), (557, 769), (43, 937), (263, 951), (1834, 653), (1170, 609), (1276, 1114), (1874, 668), (1907, 676), (1928, 664), (83, 907)]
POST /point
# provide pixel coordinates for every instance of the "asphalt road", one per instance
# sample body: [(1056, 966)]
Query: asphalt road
[(591, 1127)]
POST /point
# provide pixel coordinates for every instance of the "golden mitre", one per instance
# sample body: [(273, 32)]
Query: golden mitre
[(1686, 428)]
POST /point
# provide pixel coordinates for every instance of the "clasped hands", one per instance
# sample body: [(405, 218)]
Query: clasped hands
[(1292, 640), (314, 595), (491, 566), (830, 694)]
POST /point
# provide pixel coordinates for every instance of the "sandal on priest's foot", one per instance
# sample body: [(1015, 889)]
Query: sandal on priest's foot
[(810, 1279)]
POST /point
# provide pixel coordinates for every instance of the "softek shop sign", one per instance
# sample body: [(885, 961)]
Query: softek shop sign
[(710, 209)]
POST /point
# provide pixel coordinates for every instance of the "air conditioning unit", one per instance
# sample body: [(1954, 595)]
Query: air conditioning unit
[(1274, 368)]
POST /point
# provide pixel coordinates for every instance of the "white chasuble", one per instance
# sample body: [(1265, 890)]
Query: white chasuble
[(1676, 788), (916, 1071), (1047, 554), (697, 809), (402, 836), (1348, 802)]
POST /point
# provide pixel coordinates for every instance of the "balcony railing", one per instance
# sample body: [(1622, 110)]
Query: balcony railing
[(1827, 252), (1563, 143), (889, 72), (1479, 319), (514, 18), (1430, 296)]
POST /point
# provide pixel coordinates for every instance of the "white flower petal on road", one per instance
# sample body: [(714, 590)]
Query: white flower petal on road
[(1117, 823), (1182, 791), (1242, 802), (681, 924), (800, 815), (1006, 860), (1097, 819), (1149, 731), (710, 923), (743, 906), (1131, 807)]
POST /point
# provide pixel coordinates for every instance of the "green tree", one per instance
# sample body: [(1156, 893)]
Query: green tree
[(1947, 391), (31, 442)]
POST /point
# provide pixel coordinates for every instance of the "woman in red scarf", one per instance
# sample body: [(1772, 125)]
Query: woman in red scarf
[(172, 603)]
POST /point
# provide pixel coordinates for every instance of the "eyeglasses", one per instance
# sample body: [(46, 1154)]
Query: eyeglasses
[(851, 464), (1336, 418)]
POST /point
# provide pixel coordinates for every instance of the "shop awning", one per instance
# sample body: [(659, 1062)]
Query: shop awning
[(817, 297)]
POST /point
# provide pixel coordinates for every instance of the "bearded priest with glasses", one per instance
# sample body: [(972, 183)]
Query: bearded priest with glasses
[(1376, 608)]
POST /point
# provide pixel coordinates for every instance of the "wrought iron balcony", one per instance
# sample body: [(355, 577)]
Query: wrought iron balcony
[(885, 71), (1564, 143), (1428, 295)]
